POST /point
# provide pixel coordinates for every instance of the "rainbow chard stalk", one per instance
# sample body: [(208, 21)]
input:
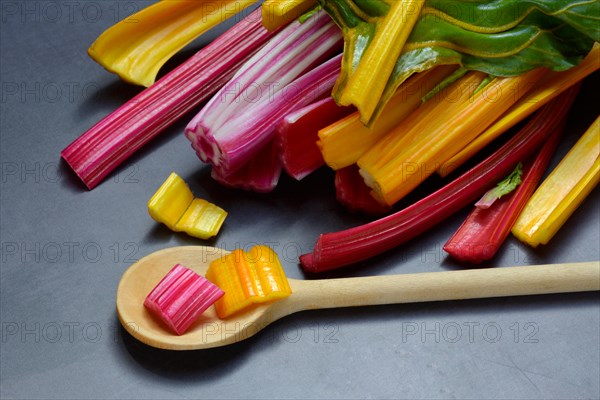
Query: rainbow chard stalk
[(260, 174), (345, 141), (352, 192), (369, 65), (137, 47), (499, 37), (288, 73), (545, 90), (562, 191), (120, 134), (481, 235), (335, 250), (298, 133), (436, 131)]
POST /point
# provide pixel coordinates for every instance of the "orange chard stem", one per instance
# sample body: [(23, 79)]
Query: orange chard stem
[(415, 153), (547, 89)]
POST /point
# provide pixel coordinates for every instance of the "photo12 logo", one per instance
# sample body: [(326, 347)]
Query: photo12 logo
[(27, 172), (60, 332), (68, 252), (27, 12), (37, 92), (469, 332), (326, 333)]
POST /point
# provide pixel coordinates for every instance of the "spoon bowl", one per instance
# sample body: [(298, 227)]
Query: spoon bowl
[(210, 331)]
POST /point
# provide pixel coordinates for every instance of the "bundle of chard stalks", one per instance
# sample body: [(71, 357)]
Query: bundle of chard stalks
[(385, 92)]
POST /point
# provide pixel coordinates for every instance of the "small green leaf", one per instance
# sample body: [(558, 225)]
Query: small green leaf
[(449, 80), (504, 187), (488, 79)]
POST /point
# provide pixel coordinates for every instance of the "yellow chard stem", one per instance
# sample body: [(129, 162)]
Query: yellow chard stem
[(562, 191), (367, 84), (278, 13), (137, 47), (547, 89)]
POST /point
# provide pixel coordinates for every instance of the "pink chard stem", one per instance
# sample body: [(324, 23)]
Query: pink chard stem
[(354, 194), (293, 70), (260, 174), (298, 133), (120, 134)]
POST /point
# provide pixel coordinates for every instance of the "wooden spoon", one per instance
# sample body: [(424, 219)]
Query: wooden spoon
[(210, 331)]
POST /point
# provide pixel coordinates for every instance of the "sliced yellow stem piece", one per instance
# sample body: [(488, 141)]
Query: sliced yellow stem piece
[(547, 89), (562, 191), (170, 201), (367, 84), (174, 205), (248, 278), (412, 153), (278, 13), (138, 46), (343, 142), (201, 219)]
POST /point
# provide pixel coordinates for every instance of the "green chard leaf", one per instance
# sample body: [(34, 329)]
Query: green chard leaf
[(504, 187), (498, 37)]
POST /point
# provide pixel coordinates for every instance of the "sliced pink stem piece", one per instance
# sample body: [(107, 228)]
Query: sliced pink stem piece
[(181, 297)]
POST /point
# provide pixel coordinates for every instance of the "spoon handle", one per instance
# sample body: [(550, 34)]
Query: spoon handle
[(447, 285)]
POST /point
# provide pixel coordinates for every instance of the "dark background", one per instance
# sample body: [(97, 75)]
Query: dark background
[(64, 250)]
